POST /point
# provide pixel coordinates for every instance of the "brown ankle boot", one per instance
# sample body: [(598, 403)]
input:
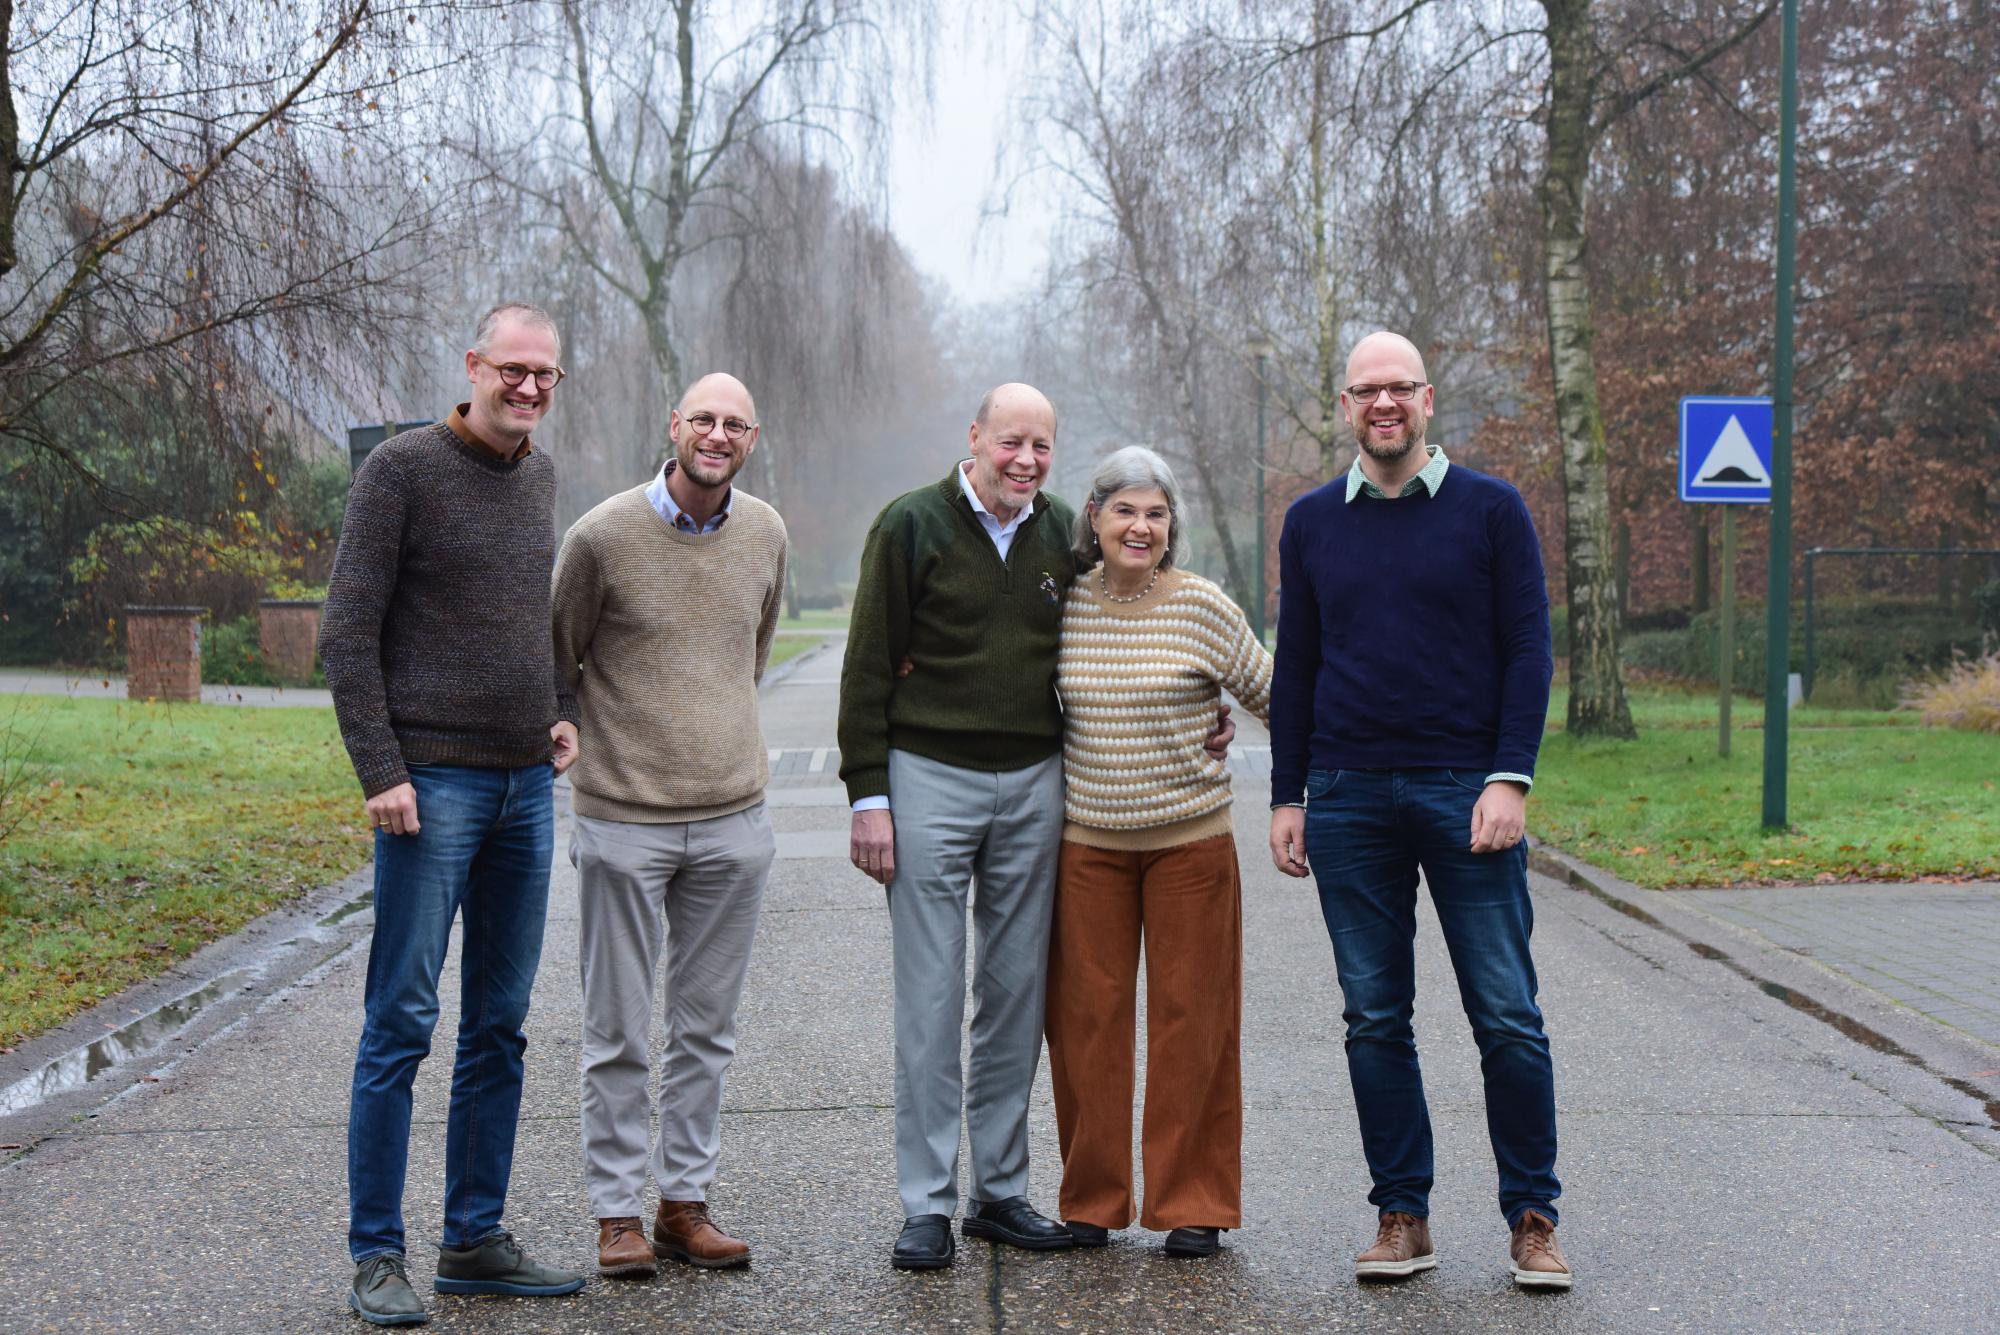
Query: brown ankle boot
[(1538, 1262), (622, 1250), (682, 1231), (1402, 1248)]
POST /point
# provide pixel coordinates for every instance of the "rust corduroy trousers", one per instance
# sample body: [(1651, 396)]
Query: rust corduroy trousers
[(1186, 904)]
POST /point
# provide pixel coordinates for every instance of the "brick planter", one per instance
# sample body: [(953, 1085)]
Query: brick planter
[(163, 653), (287, 629)]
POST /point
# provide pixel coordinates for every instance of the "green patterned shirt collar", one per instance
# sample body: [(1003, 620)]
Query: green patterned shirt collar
[(1430, 479)]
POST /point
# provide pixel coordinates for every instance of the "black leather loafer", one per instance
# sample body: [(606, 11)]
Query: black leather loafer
[(1016, 1223), (924, 1244), (1194, 1242), (1088, 1235)]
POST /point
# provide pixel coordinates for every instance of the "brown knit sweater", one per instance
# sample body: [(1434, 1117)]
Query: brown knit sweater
[(663, 636), (435, 633)]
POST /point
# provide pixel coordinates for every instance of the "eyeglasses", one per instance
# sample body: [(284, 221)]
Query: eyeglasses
[(513, 373), (1402, 391), (732, 427)]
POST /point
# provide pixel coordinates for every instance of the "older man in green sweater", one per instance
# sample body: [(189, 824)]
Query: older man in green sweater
[(666, 599), (951, 750), (964, 580)]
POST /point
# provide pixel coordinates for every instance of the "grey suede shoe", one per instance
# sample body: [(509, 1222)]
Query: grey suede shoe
[(382, 1294), (498, 1265)]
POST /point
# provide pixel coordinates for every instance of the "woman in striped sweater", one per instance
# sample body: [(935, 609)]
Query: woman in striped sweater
[(1148, 853)]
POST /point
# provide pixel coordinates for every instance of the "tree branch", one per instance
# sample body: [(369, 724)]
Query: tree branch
[(1622, 104), (132, 224)]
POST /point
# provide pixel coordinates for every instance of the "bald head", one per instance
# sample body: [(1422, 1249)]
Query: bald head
[(1014, 398), (720, 385), (1013, 442), (1384, 352), (1392, 408)]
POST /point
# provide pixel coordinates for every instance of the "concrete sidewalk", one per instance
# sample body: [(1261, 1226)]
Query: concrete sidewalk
[(1730, 1161)]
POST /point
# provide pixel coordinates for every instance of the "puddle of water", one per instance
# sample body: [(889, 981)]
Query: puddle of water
[(347, 910), (79, 1066), (1880, 1042)]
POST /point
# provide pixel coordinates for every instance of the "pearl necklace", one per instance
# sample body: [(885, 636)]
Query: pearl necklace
[(1109, 596)]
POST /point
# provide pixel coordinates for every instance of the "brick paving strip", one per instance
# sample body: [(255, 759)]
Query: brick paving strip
[(1933, 948)]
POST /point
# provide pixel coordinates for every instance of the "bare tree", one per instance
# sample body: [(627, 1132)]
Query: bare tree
[(656, 107), (1157, 252), (213, 187)]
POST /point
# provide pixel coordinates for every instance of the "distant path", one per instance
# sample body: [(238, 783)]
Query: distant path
[(101, 686)]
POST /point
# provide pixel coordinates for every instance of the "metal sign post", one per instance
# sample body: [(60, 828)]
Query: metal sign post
[(1726, 461), (1726, 670)]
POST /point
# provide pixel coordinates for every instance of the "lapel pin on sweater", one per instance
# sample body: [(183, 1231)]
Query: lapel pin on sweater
[(1049, 589)]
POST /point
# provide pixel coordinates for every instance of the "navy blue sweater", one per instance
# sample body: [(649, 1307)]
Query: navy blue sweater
[(1411, 632)]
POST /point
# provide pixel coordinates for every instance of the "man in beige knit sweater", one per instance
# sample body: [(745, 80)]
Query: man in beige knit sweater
[(666, 599)]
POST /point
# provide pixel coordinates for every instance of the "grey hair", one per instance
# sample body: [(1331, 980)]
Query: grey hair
[(1134, 467), (482, 335)]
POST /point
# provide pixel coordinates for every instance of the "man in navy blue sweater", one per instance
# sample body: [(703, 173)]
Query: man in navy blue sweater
[(1412, 681)]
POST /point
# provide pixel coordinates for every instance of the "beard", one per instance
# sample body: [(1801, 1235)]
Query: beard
[(704, 471), (1389, 451)]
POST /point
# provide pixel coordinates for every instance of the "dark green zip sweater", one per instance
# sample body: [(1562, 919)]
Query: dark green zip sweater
[(980, 635)]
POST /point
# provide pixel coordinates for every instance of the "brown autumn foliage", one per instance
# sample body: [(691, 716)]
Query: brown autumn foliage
[(1898, 334)]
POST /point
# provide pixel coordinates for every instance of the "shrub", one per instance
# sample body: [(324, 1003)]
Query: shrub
[(231, 655), (1965, 696), (812, 600), (1863, 650), (161, 561), (1987, 599)]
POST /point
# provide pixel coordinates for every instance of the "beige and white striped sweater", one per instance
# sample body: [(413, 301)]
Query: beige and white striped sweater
[(1139, 684)]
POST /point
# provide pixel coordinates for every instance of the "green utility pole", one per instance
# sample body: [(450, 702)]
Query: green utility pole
[(1777, 660)]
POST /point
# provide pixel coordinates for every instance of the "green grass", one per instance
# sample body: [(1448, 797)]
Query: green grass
[(818, 618), (1871, 796), (787, 647), (149, 830)]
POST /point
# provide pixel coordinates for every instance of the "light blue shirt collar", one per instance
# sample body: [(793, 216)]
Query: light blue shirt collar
[(663, 502)]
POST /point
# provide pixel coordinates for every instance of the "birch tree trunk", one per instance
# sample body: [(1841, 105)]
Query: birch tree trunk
[(1328, 360), (1597, 703)]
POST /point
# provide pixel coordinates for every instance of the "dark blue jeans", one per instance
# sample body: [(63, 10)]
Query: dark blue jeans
[(483, 847), (1368, 833)]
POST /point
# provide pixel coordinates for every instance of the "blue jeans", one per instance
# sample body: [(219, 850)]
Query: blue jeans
[(484, 844), (1368, 832)]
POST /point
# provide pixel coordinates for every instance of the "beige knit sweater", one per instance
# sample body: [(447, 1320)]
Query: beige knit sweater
[(1140, 683), (663, 636)]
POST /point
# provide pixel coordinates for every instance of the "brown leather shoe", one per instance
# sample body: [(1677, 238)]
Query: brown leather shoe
[(1538, 1262), (622, 1249), (682, 1231), (1402, 1248)]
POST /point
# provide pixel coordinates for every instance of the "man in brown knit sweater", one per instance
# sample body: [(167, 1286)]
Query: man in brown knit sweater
[(666, 599), (437, 652)]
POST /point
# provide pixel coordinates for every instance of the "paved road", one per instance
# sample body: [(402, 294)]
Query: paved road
[(1731, 1161)]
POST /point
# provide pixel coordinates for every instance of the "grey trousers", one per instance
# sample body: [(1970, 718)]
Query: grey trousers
[(699, 886), (953, 827)]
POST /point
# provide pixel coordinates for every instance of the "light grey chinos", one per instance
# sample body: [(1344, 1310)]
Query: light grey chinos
[(699, 886), (954, 828)]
